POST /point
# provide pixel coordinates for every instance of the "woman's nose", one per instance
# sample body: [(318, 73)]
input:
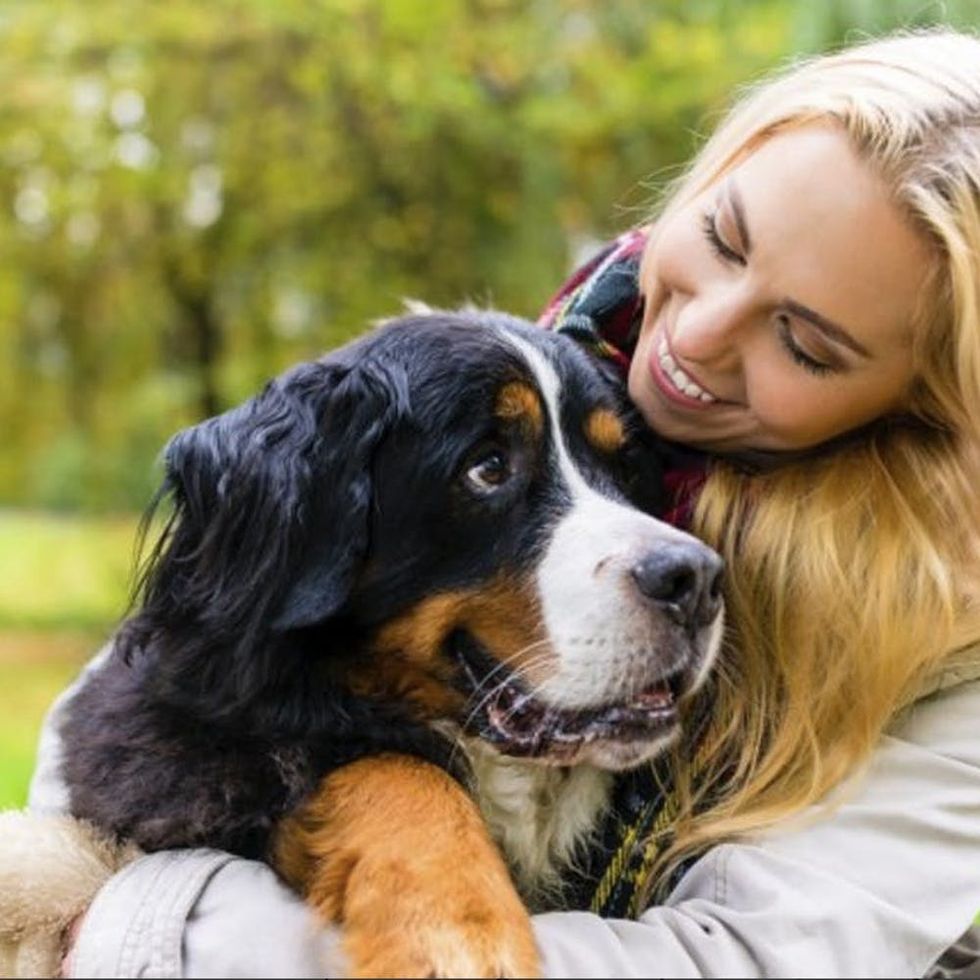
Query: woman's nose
[(711, 324)]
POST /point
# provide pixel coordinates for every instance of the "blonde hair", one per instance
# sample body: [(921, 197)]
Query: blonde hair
[(850, 573)]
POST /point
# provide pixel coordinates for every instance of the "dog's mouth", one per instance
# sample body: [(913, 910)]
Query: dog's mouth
[(503, 712)]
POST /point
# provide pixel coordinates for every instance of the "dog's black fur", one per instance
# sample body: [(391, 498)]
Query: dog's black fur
[(303, 521)]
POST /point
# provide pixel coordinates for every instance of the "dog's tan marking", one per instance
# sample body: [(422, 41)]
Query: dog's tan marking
[(418, 633), (405, 663), (517, 401), (506, 618), (604, 430), (395, 851)]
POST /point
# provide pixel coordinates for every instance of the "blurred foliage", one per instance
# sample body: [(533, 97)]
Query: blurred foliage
[(64, 584), (197, 194)]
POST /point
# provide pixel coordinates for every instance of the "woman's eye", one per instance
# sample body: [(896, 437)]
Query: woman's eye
[(709, 228), (802, 357), (490, 472)]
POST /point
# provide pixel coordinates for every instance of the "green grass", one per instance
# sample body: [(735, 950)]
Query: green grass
[(64, 573), (64, 583)]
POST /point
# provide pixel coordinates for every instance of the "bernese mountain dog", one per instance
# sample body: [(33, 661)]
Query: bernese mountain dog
[(408, 602)]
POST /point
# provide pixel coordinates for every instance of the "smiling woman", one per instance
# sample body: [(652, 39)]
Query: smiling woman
[(810, 315)]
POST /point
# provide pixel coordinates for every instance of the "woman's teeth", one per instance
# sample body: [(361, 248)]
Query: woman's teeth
[(681, 381)]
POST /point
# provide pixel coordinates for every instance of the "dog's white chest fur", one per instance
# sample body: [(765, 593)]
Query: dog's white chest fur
[(541, 816)]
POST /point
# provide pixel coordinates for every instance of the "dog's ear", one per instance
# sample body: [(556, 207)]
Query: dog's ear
[(361, 410), (272, 498)]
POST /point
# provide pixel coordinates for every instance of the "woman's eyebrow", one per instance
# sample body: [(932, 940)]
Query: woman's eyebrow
[(832, 330), (825, 326)]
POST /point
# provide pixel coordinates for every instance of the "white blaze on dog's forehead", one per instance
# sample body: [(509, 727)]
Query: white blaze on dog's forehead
[(601, 508), (550, 387)]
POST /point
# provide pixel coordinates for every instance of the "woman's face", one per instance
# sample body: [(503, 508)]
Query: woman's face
[(779, 303)]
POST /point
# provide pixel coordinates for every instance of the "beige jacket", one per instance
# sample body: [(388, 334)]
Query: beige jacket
[(878, 887)]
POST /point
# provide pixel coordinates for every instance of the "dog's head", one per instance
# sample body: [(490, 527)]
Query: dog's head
[(442, 515)]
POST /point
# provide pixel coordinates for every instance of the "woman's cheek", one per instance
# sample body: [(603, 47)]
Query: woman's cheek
[(784, 412), (797, 417)]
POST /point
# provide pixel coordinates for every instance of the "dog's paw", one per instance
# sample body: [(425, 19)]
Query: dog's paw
[(394, 851), (408, 918)]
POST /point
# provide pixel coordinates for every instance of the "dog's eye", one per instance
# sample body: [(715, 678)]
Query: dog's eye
[(490, 472)]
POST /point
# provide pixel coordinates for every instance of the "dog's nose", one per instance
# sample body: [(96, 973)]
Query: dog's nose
[(682, 579)]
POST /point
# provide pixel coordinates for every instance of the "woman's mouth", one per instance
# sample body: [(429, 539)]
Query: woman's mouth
[(674, 382)]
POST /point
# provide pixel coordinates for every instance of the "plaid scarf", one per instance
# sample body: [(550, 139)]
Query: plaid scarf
[(600, 306)]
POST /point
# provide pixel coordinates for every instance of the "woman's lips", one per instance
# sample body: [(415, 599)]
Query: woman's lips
[(675, 383)]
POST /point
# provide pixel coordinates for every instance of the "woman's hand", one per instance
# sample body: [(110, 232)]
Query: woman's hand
[(70, 936)]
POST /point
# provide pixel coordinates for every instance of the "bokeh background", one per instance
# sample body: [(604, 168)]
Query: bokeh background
[(194, 195)]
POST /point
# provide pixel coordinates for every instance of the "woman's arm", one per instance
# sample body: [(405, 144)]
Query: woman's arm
[(201, 913)]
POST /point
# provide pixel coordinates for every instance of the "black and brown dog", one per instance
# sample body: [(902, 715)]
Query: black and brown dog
[(419, 564)]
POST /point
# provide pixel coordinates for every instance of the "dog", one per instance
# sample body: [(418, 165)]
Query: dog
[(406, 593)]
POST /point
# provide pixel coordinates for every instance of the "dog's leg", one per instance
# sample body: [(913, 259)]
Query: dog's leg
[(394, 851)]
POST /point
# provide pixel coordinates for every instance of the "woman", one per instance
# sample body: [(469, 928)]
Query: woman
[(804, 317)]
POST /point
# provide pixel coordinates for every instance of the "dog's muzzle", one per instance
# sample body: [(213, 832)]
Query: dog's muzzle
[(622, 654)]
